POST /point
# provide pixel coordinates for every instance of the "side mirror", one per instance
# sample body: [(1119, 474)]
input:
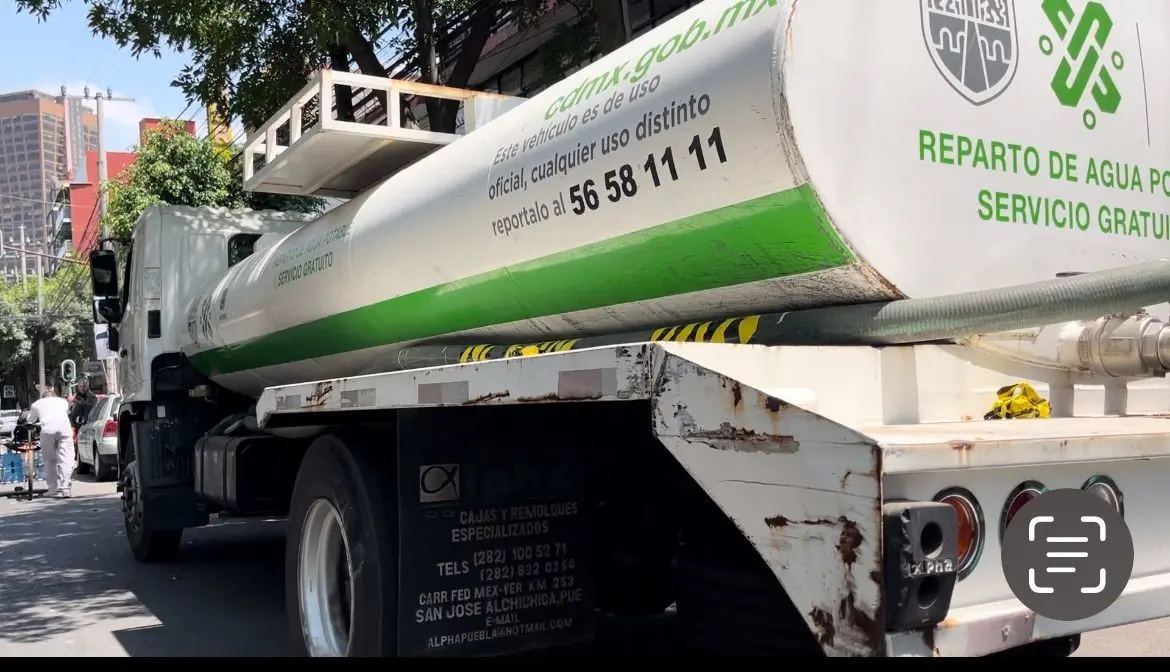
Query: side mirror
[(112, 340), (103, 272), (108, 311)]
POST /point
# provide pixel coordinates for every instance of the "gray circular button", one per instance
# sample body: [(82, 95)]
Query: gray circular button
[(1067, 555)]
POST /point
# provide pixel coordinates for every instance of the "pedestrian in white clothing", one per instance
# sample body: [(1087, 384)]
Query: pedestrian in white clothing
[(52, 412)]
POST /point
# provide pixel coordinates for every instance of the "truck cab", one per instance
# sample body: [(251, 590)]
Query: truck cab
[(141, 289), (194, 246)]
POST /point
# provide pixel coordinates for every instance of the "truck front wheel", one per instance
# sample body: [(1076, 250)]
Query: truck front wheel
[(147, 544), (340, 557)]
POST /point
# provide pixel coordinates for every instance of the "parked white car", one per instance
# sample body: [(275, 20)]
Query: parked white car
[(97, 439), (8, 420)]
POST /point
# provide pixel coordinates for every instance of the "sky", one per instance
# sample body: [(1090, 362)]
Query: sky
[(63, 51)]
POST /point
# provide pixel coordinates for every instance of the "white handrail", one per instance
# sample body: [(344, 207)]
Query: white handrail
[(320, 85)]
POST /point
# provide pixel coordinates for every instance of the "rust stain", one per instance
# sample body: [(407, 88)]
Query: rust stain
[(486, 398), (845, 478), (773, 404), (745, 440), (870, 628), (928, 640), (554, 397), (823, 623), (961, 445), (736, 395), (319, 396), (777, 522), (849, 542)]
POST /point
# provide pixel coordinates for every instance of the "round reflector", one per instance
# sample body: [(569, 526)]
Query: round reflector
[(969, 527), (1105, 488)]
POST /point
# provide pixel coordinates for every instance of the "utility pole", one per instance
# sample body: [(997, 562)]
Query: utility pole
[(23, 258), (41, 321), (100, 99)]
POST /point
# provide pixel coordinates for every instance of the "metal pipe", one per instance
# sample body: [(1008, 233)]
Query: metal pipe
[(907, 321)]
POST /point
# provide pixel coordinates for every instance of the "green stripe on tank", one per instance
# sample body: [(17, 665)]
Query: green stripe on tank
[(768, 237)]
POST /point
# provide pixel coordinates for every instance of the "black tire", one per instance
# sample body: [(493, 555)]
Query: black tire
[(148, 545), (82, 467), (358, 481), (103, 471)]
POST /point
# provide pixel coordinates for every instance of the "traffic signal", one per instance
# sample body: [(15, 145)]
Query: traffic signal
[(69, 370)]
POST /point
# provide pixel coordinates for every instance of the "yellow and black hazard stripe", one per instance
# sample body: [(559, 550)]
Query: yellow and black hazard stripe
[(482, 353), (734, 330), (476, 353), (540, 348)]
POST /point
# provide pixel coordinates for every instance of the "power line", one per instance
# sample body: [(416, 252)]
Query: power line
[(65, 290), (27, 200)]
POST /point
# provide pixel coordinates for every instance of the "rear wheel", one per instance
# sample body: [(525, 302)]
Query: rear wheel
[(102, 470), (340, 558), (78, 463)]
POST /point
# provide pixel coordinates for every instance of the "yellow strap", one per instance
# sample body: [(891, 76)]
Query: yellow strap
[(1017, 401)]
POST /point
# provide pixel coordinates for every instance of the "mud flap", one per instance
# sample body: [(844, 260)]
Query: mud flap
[(165, 470), (493, 531)]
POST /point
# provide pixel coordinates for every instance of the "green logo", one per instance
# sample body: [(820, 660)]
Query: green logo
[(1084, 68)]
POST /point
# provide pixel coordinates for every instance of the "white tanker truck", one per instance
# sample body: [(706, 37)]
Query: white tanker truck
[(708, 328)]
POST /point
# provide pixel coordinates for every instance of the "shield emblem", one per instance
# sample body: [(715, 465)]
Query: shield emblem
[(973, 44)]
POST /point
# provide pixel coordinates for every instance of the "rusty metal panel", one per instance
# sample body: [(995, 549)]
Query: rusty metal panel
[(803, 489)]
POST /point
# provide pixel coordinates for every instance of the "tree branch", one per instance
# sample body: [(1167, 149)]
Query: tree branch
[(342, 95), (367, 61), (482, 22)]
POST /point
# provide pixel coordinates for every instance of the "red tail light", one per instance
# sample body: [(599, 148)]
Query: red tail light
[(1024, 493), (969, 531), (110, 430)]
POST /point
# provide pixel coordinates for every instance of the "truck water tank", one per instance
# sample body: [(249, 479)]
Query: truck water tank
[(747, 156)]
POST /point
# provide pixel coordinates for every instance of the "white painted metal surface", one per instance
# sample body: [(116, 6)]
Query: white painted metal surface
[(873, 169), (777, 468), (340, 159)]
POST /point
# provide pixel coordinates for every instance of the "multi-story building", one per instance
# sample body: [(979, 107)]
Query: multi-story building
[(73, 222), (40, 138), (512, 59)]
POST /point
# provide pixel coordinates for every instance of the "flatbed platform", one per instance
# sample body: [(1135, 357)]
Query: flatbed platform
[(1016, 443), (630, 372)]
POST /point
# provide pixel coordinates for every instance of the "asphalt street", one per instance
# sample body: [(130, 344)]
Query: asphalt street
[(69, 587)]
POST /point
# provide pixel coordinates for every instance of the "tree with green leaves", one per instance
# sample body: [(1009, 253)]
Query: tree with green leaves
[(173, 167), (249, 58), (65, 324)]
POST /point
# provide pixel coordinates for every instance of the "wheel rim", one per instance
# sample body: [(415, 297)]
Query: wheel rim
[(325, 582)]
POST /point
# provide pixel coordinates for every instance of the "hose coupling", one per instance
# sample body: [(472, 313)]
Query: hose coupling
[(1120, 346)]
